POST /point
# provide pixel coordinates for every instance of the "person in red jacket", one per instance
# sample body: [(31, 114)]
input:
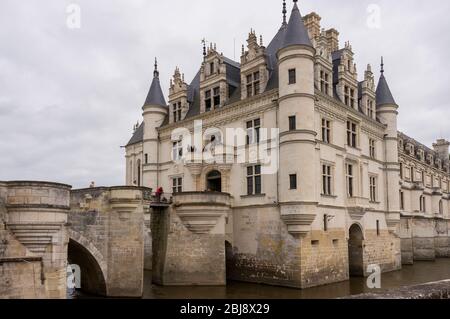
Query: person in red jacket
[(159, 193)]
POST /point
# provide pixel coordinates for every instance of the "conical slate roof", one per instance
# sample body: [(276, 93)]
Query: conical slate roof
[(383, 94), (296, 33), (155, 95)]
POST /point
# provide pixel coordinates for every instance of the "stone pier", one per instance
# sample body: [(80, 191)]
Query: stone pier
[(189, 239), (33, 239)]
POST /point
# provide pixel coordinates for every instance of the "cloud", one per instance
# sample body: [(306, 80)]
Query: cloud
[(69, 97)]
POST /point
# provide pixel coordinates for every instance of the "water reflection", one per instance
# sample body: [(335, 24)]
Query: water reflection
[(421, 272)]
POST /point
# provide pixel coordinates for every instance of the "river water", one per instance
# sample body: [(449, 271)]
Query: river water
[(419, 273)]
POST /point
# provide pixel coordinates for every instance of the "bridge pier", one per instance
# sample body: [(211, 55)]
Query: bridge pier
[(33, 234), (189, 240), (106, 226)]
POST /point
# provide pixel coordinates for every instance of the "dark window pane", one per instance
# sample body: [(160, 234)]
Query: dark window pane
[(258, 170), (249, 185), (257, 184), (292, 76), (292, 123)]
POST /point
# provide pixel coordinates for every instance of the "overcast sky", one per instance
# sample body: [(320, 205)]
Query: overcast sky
[(69, 97)]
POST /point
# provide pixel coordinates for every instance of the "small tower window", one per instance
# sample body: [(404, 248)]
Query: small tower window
[(211, 68), (292, 76), (402, 200), (293, 181), (146, 158), (292, 123), (378, 228)]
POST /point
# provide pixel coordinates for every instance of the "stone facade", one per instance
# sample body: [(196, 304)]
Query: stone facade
[(425, 200)]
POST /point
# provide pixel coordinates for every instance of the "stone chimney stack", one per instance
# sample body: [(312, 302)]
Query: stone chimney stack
[(332, 36), (442, 147), (312, 24)]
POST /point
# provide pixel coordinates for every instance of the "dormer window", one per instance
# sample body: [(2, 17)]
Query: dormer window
[(349, 97), (370, 108), (211, 68), (177, 112), (216, 92), (208, 101), (253, 84), (324, 82)]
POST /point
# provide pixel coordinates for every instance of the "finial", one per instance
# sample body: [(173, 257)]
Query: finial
[(243, 50), (261, 40), (284, 12), (156, 72), (204, 47), (382, 65)]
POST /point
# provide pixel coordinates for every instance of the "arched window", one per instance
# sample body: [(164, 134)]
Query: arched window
[(214, 181), (441, 207)]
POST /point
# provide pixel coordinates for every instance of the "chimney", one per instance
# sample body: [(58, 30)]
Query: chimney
[(442, 148), (312, 24), (332, 36)]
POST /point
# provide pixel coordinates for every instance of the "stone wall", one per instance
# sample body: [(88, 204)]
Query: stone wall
[(383, 250), (424, 238), (263, 251), (107, 228)]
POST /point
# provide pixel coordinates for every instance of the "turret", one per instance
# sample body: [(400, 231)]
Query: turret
[(296, 114), (387, 112), (155, 111)]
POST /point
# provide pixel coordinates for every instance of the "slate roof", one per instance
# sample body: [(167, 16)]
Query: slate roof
[(383, 93), (296, 33), (138, 136), (155, 95)]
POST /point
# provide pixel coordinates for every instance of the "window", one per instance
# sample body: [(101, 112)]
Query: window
[(441, 207), (327, 180), (253, 129), (208, 102), (350, 180), (254, 180), (253, 84), (292, 76), (401, 170), (371, 148), (370, 109), (402, 200), (146, 158), (326, 131), (423, 177), (177, 150), (292, 123), (324, 82), (378, 228), (211, 68), (351, 134), (412, 174), (216, 92), (177, 185), (373, 188), (293, 181), (423, 207), (177, 112), (349, 96), (325, 222)]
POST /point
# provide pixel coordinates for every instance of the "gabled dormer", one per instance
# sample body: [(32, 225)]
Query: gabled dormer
[(254, 70), (367, 93), (178, 97), (323, 71), (346, 76), (214, 89)]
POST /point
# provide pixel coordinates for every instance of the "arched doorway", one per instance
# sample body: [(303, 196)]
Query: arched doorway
[(214, 181), (92, 279), (355, 251)]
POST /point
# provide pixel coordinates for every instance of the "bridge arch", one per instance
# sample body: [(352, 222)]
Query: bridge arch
[(91, 262)]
